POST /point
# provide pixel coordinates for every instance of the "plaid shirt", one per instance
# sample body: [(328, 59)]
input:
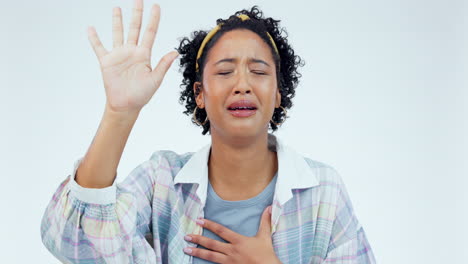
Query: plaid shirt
[(144, 218)]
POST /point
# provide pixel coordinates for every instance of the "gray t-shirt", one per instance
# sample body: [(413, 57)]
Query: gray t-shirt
[(242, 217)]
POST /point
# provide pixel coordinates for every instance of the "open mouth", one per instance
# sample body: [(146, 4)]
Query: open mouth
[(242, 108), (242, 111)]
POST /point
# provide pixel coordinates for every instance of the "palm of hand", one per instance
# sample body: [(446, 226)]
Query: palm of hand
[(127, 77)]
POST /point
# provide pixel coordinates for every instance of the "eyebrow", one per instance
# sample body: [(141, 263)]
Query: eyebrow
[(232, 60)]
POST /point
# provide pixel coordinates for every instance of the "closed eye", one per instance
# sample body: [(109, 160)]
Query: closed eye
[(256, 72), (224, 73)]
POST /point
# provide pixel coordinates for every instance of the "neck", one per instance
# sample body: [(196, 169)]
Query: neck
[(240, 168)]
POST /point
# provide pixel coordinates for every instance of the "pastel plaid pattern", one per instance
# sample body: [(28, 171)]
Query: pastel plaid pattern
[(144, 218)]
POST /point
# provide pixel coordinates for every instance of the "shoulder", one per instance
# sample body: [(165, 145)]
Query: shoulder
[(332, 185), (170, 158), (326, 173)]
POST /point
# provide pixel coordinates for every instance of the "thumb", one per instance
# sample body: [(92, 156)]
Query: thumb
[(163, 65), (265, 223)]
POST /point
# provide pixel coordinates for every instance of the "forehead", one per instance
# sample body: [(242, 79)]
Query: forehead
[(240, 43)]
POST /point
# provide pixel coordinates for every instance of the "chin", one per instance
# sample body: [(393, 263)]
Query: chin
[(246, 130)]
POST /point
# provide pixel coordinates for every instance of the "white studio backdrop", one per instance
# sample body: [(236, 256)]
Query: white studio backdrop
[(383, 99)]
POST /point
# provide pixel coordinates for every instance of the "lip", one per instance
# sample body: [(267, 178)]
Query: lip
[(242, 103), (242, 113)]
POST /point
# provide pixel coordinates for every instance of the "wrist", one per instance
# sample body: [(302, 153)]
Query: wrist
[(121, 117)]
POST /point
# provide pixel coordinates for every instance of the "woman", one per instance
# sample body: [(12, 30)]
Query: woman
[(244, 198)]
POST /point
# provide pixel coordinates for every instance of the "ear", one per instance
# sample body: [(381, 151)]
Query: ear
[(199, 98), (278, 98)]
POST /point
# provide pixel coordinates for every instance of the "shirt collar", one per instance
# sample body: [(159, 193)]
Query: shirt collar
[(293, 171)]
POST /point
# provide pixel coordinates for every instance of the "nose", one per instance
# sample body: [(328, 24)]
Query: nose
[(242, 85)]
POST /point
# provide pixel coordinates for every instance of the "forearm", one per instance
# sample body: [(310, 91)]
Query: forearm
[(99, 166)]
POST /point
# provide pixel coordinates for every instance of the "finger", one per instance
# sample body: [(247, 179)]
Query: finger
[(117, 27), (152, 28), (207, 254), (158, 73), (222, 231), (96, 43), (265, 223), (135, 25), (210, 243)]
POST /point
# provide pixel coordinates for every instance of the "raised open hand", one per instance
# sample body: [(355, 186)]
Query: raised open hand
[(129, 80)]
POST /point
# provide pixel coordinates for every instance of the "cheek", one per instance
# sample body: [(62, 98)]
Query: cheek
[(215, 97), (270, 93)]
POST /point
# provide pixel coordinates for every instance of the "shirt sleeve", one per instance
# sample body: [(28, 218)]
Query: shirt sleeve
[(103, 225), (348, 243)]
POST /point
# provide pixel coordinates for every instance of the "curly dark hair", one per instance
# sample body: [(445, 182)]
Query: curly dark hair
[(286, 63)]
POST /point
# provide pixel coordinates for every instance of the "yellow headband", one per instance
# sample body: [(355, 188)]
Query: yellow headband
[(216, 29)]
